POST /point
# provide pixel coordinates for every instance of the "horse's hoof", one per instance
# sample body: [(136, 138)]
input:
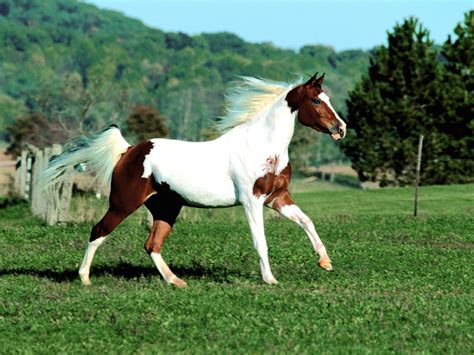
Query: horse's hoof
[(85, 280), (325, 264), (271, 281), (179, 283)]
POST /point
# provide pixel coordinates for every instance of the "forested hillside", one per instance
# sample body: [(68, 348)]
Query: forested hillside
[(82, 67)]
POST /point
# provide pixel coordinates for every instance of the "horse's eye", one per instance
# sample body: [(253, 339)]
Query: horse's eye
[(317, 101)]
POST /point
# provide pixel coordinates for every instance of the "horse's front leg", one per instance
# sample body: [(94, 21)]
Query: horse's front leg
[(254, 212), (284, 204)]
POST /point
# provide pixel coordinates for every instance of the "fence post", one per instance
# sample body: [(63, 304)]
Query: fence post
[(29, 165), (52, 212), (418, 167), (22, 169), (38, 203), (16, 186)]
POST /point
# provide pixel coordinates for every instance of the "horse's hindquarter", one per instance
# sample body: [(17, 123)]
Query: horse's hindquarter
[(198, 171)]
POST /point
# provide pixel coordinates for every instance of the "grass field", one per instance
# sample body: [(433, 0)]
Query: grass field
[(399, 285)]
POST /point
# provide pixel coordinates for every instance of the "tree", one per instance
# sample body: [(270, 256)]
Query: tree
[(456, 106), (33, 128), (82, 67), (60, 111), (146, 122), (392, 106)]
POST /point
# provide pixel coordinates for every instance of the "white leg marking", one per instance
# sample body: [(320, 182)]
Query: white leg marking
[(294, 213), (88, 257), (165, 271), (254, 213)]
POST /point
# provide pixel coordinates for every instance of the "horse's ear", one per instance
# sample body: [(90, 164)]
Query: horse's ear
[(320, 80), (312, 80)]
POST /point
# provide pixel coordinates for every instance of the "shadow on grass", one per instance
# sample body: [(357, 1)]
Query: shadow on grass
[(130, 271)]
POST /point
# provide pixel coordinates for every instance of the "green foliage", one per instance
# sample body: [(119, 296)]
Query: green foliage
[(125, 63), (400, 285), (65, 109), (405, 94), (146, 123), (455, 116), (9, 110)]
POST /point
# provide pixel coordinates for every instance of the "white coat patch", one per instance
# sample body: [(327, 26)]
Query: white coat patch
[(147, 164)]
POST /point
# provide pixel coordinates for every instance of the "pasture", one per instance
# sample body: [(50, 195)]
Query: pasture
[(400, 284)]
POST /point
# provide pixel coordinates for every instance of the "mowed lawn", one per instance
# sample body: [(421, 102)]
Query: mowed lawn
[(400, 284)]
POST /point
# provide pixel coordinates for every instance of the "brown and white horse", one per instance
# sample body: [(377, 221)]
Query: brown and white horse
[(247, 165)]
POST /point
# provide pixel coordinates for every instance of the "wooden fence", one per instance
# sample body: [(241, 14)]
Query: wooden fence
[(31, 163)]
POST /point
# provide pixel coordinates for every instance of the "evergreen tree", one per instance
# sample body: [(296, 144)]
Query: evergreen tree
[(455, 112), (392, 106)]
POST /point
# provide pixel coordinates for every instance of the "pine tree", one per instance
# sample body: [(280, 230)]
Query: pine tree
[(455, 111), (392, 106)]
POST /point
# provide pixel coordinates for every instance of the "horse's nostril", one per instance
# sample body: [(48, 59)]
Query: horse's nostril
[(341, 131)]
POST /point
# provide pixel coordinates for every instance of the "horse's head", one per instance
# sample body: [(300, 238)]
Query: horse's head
[(314, 108)]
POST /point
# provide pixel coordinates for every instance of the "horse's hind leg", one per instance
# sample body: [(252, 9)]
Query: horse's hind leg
[(98, 234), (153, 245), (165, 207), (129, 190)]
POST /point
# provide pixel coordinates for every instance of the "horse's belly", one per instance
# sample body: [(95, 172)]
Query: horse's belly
[(206, 193)]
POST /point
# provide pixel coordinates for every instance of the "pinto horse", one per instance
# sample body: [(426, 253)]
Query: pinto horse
[(247, 165)]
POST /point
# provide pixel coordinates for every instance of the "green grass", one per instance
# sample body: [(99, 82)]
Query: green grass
[(400, 284)]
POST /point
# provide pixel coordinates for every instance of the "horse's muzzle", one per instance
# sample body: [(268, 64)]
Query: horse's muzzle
[(339, 134)]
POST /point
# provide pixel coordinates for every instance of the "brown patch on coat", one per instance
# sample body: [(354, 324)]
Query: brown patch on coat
[(280, 195), (275, 187), (265, 184), (272, 185), (129, 190), (279, 200)]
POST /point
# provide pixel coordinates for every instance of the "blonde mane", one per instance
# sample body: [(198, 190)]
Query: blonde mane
[(248, 97)]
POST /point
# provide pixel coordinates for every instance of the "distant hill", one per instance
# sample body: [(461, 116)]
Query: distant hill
[(64, 47)]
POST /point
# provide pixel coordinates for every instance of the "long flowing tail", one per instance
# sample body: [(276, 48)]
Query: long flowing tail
[(99, 152)]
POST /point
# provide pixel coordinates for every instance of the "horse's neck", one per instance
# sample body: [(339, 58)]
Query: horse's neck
[(270, 132), (279, 126)]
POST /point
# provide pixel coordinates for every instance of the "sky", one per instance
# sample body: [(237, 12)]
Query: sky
[(342, 24)]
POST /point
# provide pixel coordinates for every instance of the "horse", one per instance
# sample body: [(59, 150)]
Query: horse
[(246, 165)]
